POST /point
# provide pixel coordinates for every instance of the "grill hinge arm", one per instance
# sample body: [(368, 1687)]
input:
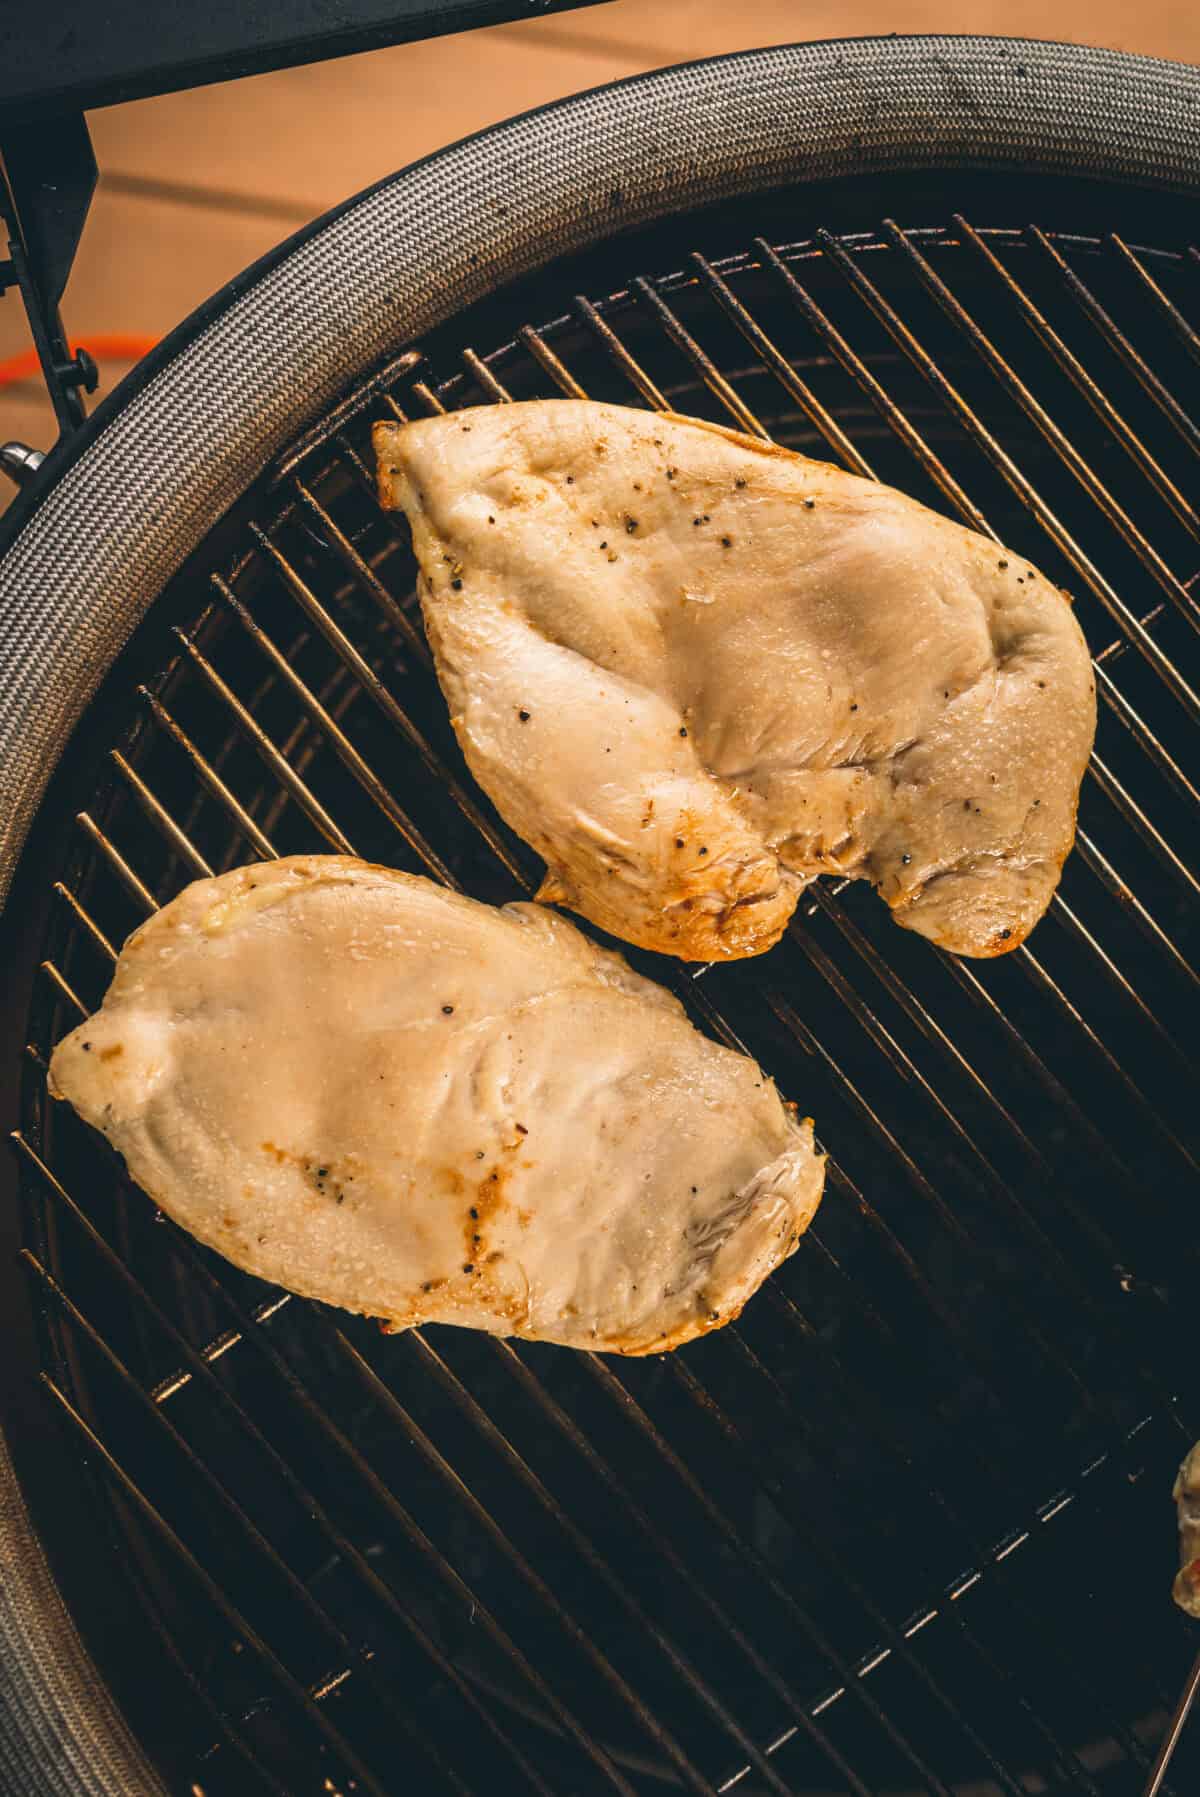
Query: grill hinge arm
[(47, 178)]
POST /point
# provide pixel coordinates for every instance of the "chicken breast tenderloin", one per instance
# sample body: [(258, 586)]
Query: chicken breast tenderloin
[(696, 671), (379, 1094)]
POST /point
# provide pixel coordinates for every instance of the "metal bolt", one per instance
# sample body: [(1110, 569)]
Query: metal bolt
[(20, 462)]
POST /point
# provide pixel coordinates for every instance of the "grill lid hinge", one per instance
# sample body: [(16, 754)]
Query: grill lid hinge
[(47, 178)]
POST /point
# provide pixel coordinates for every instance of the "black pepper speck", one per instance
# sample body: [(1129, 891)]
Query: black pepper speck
[(448, 1010)]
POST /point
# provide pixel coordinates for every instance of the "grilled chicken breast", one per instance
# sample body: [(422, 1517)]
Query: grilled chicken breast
[(695, 671), (379, 1094), (1187, 1504)]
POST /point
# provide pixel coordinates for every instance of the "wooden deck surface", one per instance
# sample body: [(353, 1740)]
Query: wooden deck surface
[(193, 186)]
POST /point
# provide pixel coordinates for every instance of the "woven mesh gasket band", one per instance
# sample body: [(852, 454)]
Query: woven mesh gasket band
[(404, 257)]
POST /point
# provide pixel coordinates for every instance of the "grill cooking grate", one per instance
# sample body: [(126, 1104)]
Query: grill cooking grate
[(863, 1539)]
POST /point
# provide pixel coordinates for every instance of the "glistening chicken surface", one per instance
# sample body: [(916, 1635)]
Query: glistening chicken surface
[(696, 671), (380, 1094)]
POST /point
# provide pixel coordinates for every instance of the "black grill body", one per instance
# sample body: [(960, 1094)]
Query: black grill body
[(904, 1527)]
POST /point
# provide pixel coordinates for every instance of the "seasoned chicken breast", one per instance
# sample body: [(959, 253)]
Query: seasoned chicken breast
[(382, 1095), (1187, 1504), (695, 671)]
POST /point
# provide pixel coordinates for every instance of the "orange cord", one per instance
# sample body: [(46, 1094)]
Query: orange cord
[(116, 348)]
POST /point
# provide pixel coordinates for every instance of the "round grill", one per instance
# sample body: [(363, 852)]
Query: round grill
[(889, 1533)]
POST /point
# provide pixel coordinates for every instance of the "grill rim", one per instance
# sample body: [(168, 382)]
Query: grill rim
[(41, 1641)]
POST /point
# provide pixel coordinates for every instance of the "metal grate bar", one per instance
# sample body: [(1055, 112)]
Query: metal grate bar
[(852, 1682), (458, 1487), (1063, 911), (1145, 739), (358, 1660), (662, 1546), (1150, 287), (1050, 1256), (616, 350), (354, 564), (216, 1596), (1103, 868), (332, 423), (161, 817), (1083, 382), (705, 367), (949, 1611), (839, 1178), (58, 981), (1066, 451), (777, 364), (856, 368), (676, 1658), (1057, 532), (245, 824), (427, 397), (198, 1365), (373, 686), (992, 1559), (1082, 1216), (118, 863), (896, 1640), (386, 1499), (920, 1183), (1112, 789), (274, 760), (1029, 963), (860, 1401), (370, 782), (476, 366), (558, 371), (93, 929), (1162, 396), (1170, 1741)]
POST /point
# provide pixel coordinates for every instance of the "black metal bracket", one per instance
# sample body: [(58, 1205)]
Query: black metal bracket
[(47, 178)]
